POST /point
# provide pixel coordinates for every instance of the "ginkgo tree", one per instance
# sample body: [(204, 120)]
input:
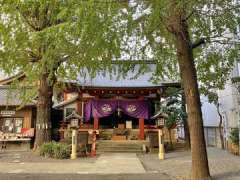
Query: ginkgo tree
[(184, 36), (52, 40)]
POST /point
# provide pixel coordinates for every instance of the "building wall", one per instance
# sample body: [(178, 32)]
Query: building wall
[(209, 113), (25, 113), (229, 100), (212, 137), (229, 104)]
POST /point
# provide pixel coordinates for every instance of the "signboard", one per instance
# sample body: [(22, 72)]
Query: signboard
[(129, 124), (7, 113), (27, 132)]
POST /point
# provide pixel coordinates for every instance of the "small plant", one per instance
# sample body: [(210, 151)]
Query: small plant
[(46, 149), (234, 136), (55, 150), (61, 151)]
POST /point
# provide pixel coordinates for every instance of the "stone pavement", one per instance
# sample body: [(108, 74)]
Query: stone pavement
[(84, 176), (223, 165), (177, 165), (127, 163)]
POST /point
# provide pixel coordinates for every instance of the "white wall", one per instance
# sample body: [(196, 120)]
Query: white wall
[(229, 104), (209, 112), (2, 75)]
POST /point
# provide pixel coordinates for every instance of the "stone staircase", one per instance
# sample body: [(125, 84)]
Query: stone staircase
[(126, 146)]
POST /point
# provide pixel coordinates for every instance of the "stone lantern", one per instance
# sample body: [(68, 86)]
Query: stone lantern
[(160, 122), (74, 119)]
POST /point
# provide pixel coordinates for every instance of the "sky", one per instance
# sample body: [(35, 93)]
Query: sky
[(1, 75)]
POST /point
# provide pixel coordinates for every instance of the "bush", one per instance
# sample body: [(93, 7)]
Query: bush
[(61, 151), (234, 136), (46, 149), (55, 150), (168, 146)]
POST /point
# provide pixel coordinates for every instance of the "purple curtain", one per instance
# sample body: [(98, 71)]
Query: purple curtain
[(104, 108), (135, 108), (88, 111)]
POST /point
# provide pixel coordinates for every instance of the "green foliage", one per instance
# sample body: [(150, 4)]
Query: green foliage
[(215, 22), (172, 107), (169, 146), (235, 79), (46, 150), (78, 37), (212, 97), (55, 150), (60, 38), (234, 136)]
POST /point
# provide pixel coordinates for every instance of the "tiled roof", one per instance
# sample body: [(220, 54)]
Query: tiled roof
[(11, 97), (105, 79), (66, 102)]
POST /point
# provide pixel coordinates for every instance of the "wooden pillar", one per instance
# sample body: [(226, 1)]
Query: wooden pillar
[(93, 148), (79, 107), (65, 96), (141, 129), (96, 123)]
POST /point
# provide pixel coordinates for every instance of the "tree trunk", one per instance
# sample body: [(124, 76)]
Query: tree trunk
[(179, 28), (44, 104), (220, 127), (185, 125), (170, 137)]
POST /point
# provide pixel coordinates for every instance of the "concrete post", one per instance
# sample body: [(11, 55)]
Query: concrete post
[(74, 144), (161, 154)]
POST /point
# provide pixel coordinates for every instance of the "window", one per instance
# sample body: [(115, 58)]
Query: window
[(69, 111), (11, 125), (18, 124)]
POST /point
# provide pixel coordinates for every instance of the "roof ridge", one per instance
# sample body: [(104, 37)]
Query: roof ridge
[(11, 78)]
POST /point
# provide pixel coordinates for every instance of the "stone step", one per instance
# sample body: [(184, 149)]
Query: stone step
[(120, 146), (179, 145), (119, 151)]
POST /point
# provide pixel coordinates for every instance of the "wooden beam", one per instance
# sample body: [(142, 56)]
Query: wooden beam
[(141, 128)]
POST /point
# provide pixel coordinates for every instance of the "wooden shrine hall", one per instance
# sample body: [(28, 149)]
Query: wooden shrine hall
[(120, 108)]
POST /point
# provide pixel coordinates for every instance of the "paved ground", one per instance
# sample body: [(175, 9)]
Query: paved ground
[(84, 177), (223, 165), (105, 164), (177, 165)]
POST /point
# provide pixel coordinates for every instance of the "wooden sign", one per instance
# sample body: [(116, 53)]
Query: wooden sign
[(129, 124), (7, 113)]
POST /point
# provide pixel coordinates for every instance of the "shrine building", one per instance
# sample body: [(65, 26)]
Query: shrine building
[(121, 109)]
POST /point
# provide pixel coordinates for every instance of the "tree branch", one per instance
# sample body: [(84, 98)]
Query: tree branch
[(190, 15), (198, 43), (33, 57), (59, 62)]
